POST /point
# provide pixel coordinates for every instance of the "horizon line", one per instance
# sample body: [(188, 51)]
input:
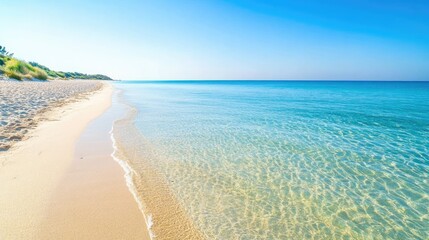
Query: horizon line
[(273, 80)]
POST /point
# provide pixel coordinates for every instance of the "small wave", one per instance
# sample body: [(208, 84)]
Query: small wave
[(128, 174), (149, 221)]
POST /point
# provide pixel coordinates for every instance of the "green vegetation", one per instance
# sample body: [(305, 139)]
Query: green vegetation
[(3, 52), (18, 69), (71, 75)]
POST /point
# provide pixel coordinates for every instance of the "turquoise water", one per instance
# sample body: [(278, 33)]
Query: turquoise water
[(291, 160)]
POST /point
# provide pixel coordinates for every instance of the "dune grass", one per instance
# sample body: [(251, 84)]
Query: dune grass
[(20, 70), (69, 75)]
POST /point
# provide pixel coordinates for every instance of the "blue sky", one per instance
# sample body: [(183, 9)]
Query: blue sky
[(219, 39)]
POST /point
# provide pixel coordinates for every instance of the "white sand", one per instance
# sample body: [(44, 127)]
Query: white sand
[(33, 171)]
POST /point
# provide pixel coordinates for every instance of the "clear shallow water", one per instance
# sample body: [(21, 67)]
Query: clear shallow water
[(291, 160)]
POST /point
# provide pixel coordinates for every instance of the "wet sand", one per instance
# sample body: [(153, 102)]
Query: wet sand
[(48, 192), (170, 220), (102, 195)]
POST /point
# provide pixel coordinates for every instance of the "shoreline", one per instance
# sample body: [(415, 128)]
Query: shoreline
[(167, 218), (33, 172), (128, 176)]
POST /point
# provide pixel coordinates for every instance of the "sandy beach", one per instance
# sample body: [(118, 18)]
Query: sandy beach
[(24, 104), (50, 188), (224, 120)]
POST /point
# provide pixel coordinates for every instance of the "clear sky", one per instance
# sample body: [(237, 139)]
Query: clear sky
[(219, 39)]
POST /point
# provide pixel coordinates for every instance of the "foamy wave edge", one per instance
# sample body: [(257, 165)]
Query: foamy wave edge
[(128, 174)]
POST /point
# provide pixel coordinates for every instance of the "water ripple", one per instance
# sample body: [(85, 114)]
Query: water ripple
[(292, 160)]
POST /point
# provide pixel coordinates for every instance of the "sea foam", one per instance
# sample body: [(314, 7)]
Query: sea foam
[(128, 174)]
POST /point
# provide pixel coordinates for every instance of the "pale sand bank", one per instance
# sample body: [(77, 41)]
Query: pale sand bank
[(45, 194), (93, 190), (23, 104)]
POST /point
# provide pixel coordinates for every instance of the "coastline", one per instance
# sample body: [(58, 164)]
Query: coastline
[(167, 218), (33, 173)]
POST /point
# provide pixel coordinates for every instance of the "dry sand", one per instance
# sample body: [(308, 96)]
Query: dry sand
[(22, 104), (47, 193)]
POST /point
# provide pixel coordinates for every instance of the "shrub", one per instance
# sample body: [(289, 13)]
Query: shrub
[(19, 69), (17, 66), (39, 74), (27, 76), (52, 73), (61, 74), (14, 75)]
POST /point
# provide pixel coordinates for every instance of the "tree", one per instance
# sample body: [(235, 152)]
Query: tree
[(4, 52)]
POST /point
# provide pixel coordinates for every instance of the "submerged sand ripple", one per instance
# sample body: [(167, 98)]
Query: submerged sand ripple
[(22, 104)]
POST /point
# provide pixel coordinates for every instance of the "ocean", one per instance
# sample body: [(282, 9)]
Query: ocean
[(284, 159)]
